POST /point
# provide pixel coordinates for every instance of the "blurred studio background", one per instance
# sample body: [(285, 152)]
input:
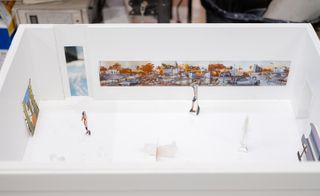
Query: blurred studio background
[(13, 13)]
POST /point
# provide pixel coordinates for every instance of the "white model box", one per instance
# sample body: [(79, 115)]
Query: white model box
[(259, 86)]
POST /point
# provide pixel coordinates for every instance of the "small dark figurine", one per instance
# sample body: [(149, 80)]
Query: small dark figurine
[(85, 122), (195, 106)]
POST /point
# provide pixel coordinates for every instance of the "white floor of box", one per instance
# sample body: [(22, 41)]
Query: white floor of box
[(119, 136)]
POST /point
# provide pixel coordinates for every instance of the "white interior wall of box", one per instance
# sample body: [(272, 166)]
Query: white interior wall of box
[(37, 52), (184, 43)]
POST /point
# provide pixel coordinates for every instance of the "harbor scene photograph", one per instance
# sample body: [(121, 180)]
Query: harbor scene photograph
[(184, 73)]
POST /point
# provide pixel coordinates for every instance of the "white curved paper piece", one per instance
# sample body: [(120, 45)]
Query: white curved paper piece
[(243, 142), (168, 150)]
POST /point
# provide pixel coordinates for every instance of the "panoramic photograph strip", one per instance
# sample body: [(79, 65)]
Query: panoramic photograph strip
[(184, 73)]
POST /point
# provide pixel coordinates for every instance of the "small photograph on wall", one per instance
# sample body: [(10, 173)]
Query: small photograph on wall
[(30, 109), (76, 70), (184, 73)]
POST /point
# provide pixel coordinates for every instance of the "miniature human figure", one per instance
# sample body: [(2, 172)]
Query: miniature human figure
[(195, 106), (85, 122)]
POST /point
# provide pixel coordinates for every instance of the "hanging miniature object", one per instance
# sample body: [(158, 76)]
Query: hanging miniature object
[(243, 142), (30, 109), (161, 151)]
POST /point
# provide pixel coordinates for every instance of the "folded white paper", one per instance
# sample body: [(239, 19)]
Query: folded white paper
[(168, 150)]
